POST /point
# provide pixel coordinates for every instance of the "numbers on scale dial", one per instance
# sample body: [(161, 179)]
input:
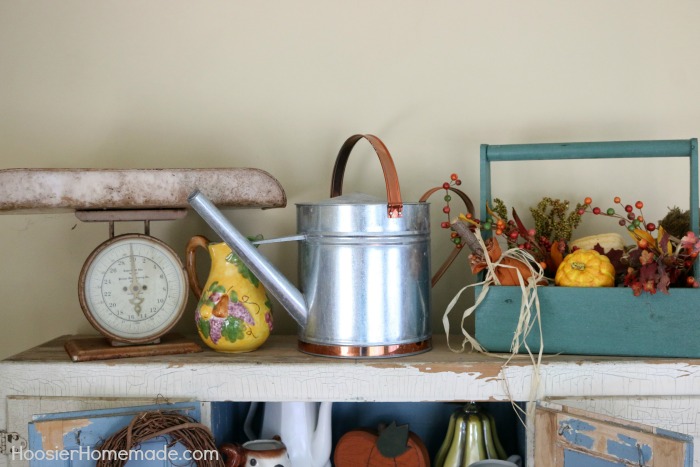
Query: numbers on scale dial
[(134, 280), (135, 287)]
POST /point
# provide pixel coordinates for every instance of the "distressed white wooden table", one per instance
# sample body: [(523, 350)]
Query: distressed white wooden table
[(663, 392)]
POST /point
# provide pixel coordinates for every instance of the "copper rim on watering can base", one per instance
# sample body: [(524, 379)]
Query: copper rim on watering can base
[(376, 351)]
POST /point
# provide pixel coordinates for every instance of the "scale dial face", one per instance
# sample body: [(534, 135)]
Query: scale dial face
[(133, 288)]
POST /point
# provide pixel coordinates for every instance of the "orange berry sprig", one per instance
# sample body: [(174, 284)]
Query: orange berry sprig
[(631, 220), (454, 181)]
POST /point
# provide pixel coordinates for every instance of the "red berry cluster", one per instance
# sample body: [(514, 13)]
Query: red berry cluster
[(509, 230), (454, 181), (630, 219)]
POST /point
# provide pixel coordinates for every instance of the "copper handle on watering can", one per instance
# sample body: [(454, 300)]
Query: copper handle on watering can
[(393, 191)]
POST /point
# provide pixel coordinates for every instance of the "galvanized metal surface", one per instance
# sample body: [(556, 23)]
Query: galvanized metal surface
[(365, 276)]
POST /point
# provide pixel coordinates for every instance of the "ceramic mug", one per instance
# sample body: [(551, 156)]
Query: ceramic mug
[(512, 461), (260, 453)]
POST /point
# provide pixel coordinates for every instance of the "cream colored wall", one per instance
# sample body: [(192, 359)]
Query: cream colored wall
[(280, 85)]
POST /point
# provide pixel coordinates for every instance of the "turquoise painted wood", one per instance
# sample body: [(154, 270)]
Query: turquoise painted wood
[(606, 321), (84, 430)]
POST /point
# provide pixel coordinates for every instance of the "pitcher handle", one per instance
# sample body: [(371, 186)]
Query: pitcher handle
[(455, 251), (192, 245), (393, 191), (233, 454)]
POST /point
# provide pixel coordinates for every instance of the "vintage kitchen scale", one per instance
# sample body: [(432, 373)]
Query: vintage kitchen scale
[(132, 288)]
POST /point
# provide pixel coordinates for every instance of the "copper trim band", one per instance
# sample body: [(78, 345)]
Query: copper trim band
[(358, 351)]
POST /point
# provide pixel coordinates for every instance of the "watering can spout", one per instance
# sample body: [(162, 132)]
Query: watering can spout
[(277, 284)]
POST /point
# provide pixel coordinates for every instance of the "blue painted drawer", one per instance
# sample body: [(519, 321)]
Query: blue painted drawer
[(569, 437), (69, 439), (604, 321)]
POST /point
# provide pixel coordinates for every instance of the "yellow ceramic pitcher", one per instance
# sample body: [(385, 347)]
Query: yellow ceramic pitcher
[(233, 313)]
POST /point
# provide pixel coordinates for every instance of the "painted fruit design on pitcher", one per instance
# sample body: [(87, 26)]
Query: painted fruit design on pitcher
[(233, 313)]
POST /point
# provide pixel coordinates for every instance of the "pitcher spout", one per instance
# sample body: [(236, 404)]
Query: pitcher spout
[(276, 283)]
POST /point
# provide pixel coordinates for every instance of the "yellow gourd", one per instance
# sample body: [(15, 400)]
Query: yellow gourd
[(585, 268)]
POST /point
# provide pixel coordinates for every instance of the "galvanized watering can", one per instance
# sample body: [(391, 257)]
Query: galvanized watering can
[(364, 267)]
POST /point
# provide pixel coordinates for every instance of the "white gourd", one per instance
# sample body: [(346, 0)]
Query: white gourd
[(607, 241)]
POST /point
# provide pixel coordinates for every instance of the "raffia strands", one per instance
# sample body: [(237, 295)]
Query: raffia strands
[(529, 316), (148, 425)]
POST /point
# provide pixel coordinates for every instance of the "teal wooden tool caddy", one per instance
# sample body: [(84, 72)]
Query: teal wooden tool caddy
[(596, 321)]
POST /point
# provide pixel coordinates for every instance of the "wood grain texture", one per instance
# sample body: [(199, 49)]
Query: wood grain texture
[(49, 190), (87, 349), (560, 429), (673, 413), (545, 454), (279, 372)]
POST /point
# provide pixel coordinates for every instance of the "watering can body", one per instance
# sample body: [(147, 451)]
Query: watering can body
[(365, 277), (364, 268)]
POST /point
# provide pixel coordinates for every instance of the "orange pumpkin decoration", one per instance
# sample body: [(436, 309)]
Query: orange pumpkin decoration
[(506, 271), (393, 446)]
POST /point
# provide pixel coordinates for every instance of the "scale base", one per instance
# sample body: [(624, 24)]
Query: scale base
[(114, 343), (85, 349)]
